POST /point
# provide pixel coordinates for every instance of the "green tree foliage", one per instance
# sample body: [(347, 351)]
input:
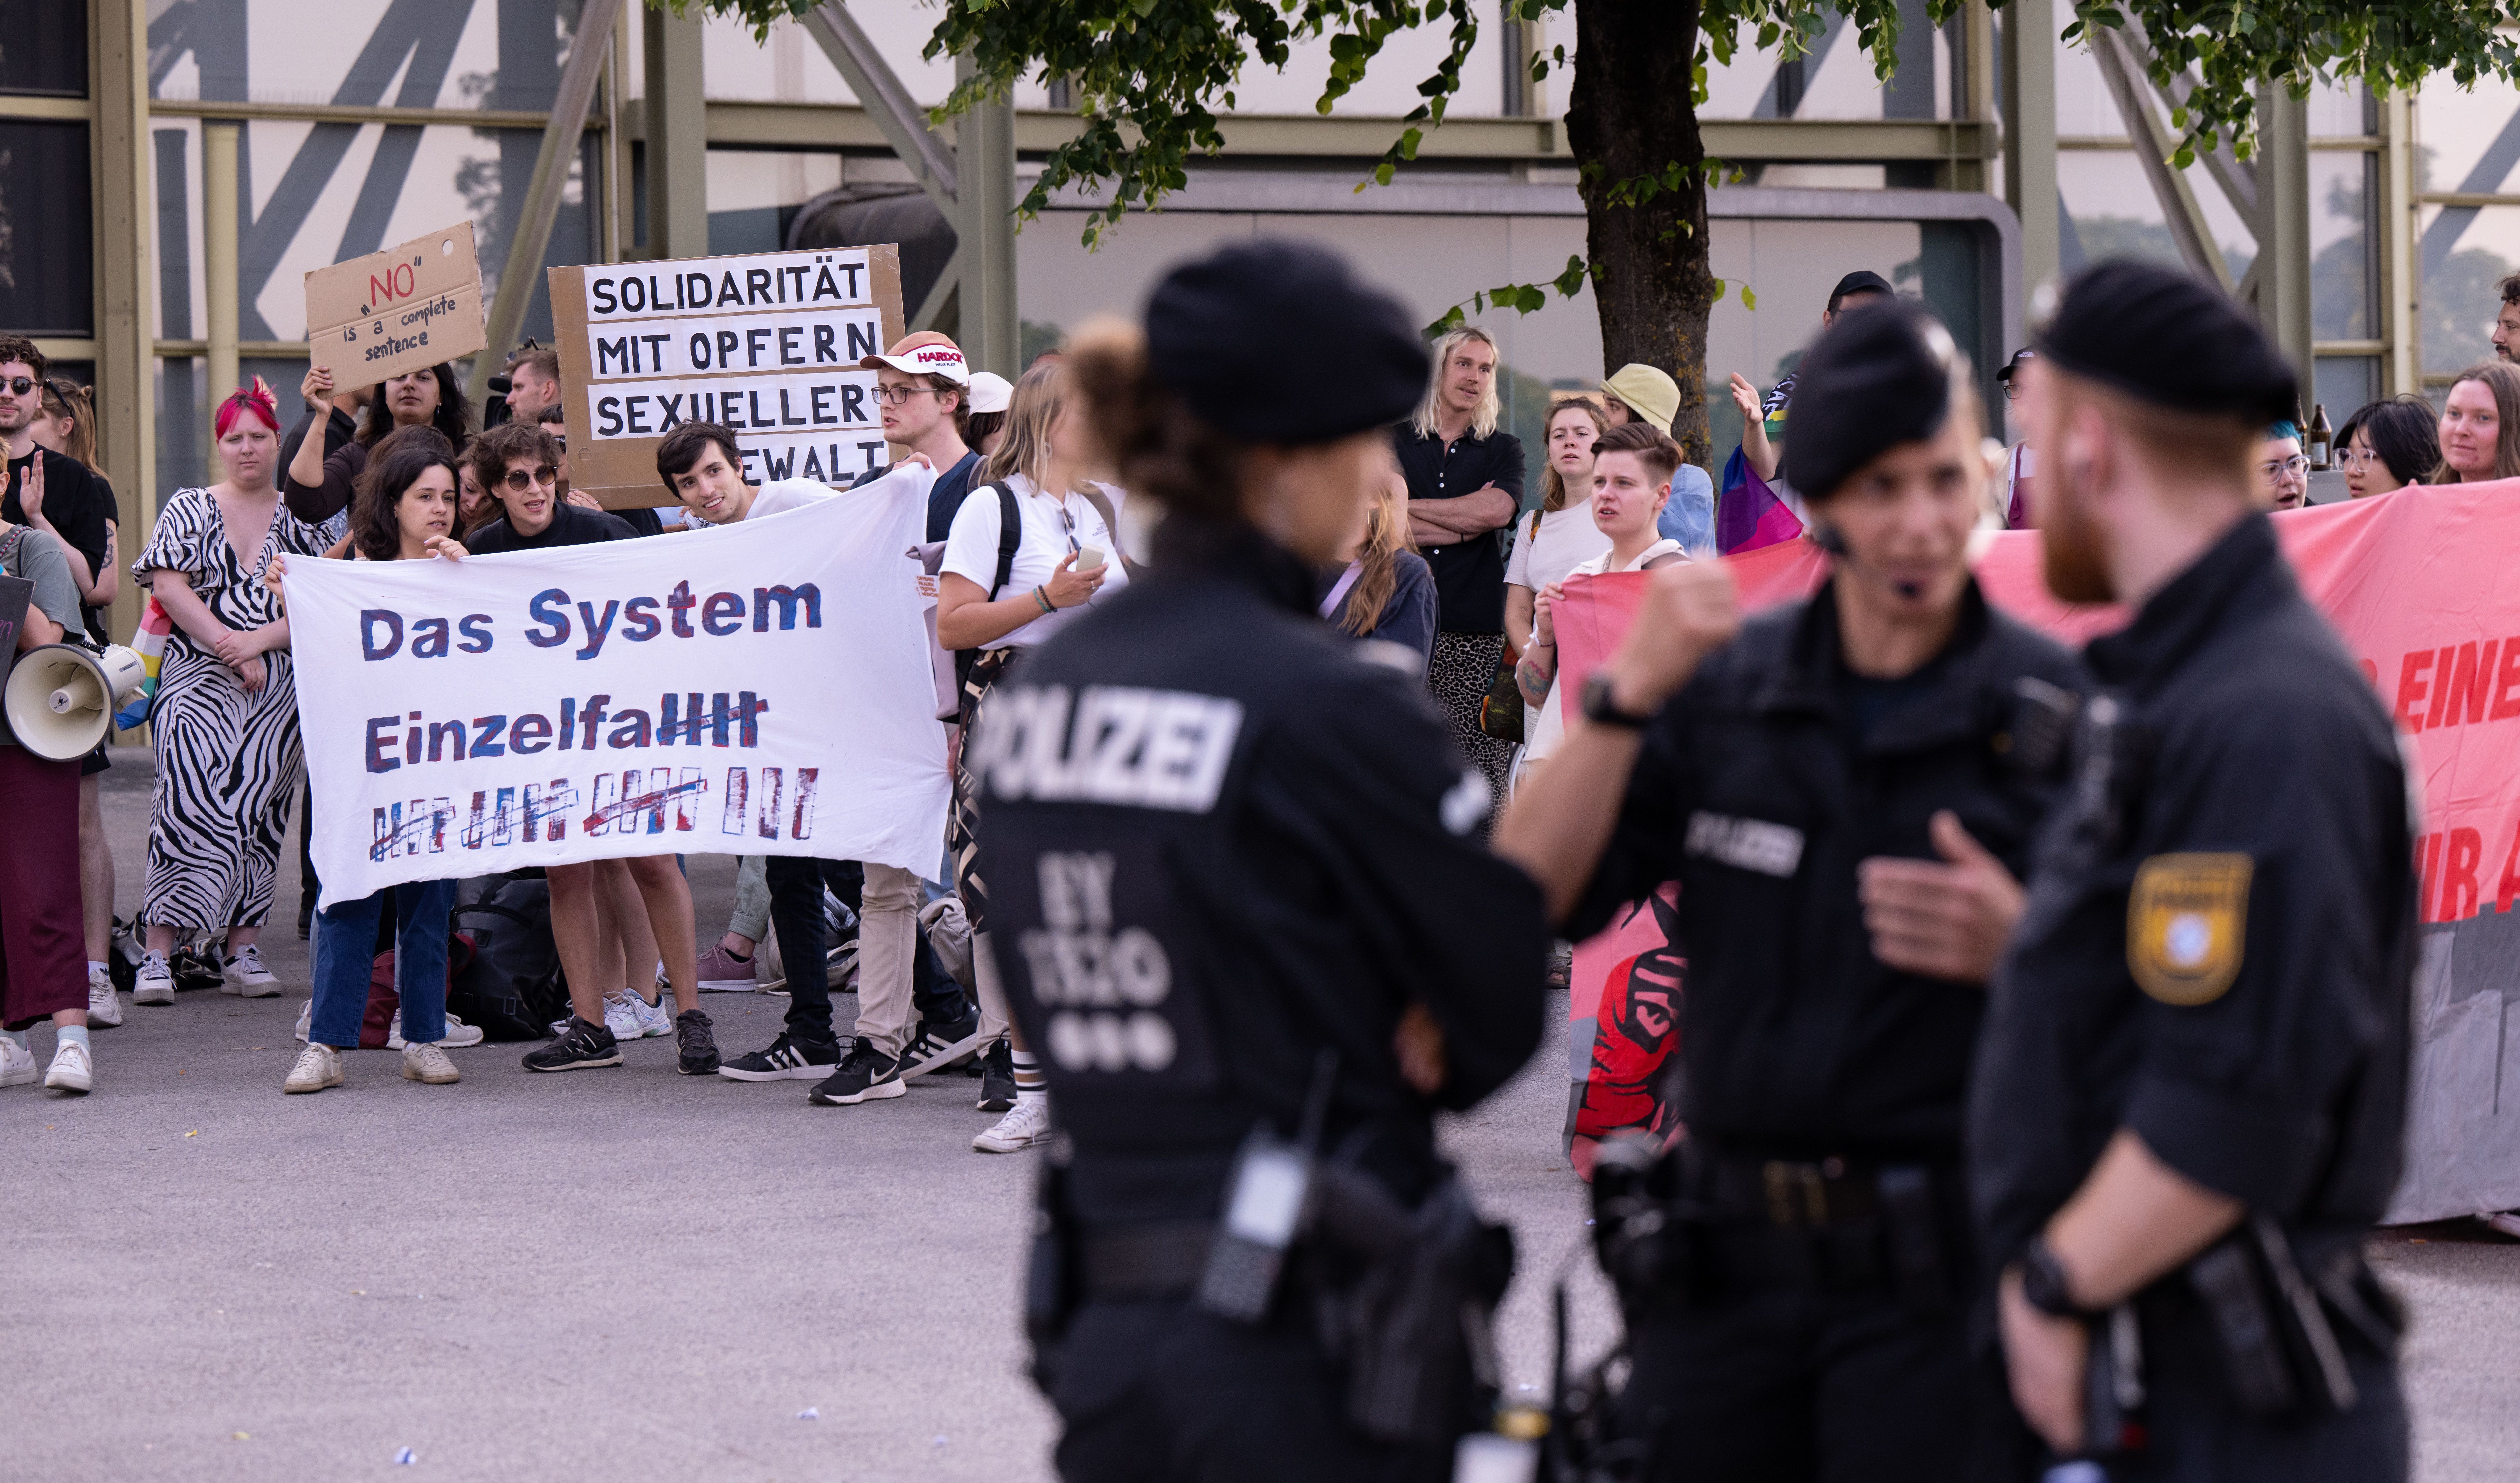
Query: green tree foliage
[(1149, 75)]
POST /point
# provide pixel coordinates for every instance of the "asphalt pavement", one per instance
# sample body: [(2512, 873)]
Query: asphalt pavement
[(632, 1275)]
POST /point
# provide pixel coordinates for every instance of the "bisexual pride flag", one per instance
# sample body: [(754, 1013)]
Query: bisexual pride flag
[(1748, 512)]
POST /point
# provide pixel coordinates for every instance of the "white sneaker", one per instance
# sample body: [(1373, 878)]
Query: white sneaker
[(318, 1066), (1028, 1124), (103, 1007), (155, 981), (245, 976), (631, 1018), (425, 1062), (73, 1069), (2506, 1222), (16, 1063), (306, 1019), (458, 1033)]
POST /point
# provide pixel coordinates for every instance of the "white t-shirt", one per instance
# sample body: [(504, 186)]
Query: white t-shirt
[(972, 549), (779, 496), (1541, 732), (1566, 536)]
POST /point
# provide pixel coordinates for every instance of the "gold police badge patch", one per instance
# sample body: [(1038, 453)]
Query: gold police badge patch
[(2186, 923)]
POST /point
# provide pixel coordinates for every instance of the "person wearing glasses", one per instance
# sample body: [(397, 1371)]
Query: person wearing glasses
[(2385, 446), (518, 462), (2283, 474), (61, 492), (1002, 597)]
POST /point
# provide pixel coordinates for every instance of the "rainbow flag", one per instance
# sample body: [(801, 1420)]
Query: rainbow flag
[(1748, 512), (150, 642)]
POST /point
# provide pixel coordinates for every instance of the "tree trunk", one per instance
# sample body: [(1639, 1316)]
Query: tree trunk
[(1631, 115)]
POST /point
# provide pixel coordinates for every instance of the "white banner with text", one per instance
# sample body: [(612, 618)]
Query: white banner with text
[(762, 689)]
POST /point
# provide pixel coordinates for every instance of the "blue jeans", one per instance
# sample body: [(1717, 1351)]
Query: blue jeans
[(345, 937)]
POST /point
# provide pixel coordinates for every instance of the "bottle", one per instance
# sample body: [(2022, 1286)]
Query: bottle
[(2320, 437)]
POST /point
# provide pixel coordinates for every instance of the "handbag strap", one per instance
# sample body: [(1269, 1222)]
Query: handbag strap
[(1338, 592), (1009, 535)]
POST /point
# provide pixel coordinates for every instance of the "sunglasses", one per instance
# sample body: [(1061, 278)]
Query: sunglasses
[(19, 385), (519, 481)]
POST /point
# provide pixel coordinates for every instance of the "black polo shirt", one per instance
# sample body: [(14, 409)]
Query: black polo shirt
[(2221, 930), (1470, 574)]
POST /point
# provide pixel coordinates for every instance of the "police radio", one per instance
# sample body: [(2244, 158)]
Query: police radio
[(1267, 1196)]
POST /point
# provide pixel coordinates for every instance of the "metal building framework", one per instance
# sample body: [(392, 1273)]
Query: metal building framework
[(2006, 145)]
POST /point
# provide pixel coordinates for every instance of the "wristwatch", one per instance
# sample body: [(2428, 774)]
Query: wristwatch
[(1602, 704), (2044, 1284)]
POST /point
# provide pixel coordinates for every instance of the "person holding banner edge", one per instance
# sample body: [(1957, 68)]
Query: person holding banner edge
[(702, 464), (403, 510), (1846, 790)]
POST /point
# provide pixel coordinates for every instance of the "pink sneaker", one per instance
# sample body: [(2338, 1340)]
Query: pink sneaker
[(721, 972)]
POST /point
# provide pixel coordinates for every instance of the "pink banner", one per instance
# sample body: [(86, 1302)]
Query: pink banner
[(2421, 587)]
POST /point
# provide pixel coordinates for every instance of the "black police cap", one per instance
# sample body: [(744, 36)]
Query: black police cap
[(1879, 376), (1276, 343), (2162, 338), (1861, 281)]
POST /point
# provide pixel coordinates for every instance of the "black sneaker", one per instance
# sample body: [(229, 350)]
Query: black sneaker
[(866, 1074), (787, 1060), (940, 1045), (698, 1046), (579, 1046), (998, 1078)]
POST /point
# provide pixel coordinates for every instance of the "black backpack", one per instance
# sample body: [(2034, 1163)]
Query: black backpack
[(1009, 536), (511, 987)]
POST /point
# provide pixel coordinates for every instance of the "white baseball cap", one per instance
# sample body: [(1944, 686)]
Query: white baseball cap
[(923, 353), (990, 392)]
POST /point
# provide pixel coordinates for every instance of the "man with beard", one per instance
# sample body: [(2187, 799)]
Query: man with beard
[(1845, 790), (2189, 1109)]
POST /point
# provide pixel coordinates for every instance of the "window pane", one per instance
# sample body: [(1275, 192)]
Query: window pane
[(46, 54), (2344, 271), (47, 283)]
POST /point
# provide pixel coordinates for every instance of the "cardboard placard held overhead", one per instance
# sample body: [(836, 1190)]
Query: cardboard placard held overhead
[(397, 310), (767, 344)]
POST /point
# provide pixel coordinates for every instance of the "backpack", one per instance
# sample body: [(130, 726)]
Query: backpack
[(385, 1001), (931, 557), (511, 984)]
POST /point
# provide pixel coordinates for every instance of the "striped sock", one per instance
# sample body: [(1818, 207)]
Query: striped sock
[(1029, 1082)]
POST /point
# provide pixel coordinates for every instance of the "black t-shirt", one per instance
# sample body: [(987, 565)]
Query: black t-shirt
[(641, 519), (1470, 574), (570, 526), (79, 506)]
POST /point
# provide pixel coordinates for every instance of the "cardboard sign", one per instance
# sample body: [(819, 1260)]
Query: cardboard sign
[(399, 310), (767, 344)]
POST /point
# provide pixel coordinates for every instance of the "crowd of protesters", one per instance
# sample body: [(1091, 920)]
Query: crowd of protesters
[(1453, 569)]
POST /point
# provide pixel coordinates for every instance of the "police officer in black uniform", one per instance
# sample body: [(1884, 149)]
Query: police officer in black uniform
[(1845, 793), (1242, 913), (2190, 1098)]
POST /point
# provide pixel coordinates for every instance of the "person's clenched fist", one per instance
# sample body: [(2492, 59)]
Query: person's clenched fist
[(1689, 611)]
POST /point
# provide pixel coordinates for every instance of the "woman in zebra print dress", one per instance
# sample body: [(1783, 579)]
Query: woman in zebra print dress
[(225, 720)]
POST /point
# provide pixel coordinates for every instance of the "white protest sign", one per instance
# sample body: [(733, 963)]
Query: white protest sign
[(759, 689), (766, 343)]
